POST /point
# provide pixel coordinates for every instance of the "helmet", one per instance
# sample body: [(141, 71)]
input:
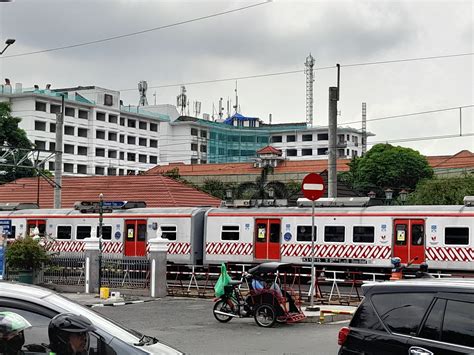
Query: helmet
[(11, 324), (424, 267), (12, 338), (62, 326), (396, 261)]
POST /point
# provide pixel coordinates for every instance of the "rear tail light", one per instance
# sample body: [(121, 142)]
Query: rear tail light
[(343, 333)]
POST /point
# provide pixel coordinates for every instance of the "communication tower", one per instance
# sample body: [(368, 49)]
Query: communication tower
[(364, 128), (181, 100), (142, 88), (309, 71)]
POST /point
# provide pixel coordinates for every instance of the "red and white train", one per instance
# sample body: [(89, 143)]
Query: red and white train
[(441, 236)]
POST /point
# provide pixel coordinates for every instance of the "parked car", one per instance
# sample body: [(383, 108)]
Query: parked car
[(415, 317), (39, 305)]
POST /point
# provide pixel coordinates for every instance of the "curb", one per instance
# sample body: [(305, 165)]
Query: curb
[(115, 304)]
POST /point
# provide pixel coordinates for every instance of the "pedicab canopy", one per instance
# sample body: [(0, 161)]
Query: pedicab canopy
[(268, 268)]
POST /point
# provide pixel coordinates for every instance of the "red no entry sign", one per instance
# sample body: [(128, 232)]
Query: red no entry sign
[(313, 186)]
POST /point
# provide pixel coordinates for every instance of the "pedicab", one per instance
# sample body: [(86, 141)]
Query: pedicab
[(266, 299)]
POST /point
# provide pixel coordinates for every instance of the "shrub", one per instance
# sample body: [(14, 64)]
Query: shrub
[(25, 254)]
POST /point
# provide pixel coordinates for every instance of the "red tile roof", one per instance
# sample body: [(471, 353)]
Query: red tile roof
[(463, 159), (155, 190), (269, 150)]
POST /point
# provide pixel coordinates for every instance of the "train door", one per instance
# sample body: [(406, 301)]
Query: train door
[(267, 239), (31, 224), (409, 240), (135, 237)]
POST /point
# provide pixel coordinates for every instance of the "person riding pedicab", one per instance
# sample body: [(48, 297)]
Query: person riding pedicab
[(69, 334), (12, 337)]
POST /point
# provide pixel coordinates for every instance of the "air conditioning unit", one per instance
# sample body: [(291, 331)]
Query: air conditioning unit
[(242, 203)]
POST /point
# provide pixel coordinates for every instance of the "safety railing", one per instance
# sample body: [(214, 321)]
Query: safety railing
[(125, 272), (62, 270)]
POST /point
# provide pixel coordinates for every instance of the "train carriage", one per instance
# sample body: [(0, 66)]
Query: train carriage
[(441, 236)]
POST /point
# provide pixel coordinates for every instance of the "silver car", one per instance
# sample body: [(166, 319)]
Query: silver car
[(39, 305)]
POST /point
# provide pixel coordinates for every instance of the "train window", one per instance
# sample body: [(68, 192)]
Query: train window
[(230, 233), (64, 232), (106, 232), (141, 232), (168, 232), (334, 234), (363, 234), (456, 235), (12, 233), (417, 234), (303, 233), (32, 224), (401, 234), (274, 233), (83, 232)]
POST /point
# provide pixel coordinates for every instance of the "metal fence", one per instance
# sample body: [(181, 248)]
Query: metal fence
[(125, 272), (60, 270)]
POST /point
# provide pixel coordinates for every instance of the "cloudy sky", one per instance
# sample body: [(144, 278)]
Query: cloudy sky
[(273, 37)]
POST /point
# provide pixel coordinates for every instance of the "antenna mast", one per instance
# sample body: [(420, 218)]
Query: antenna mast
[(236, 106), (142, 88), (364, 128), (181, 100), (309, 71)]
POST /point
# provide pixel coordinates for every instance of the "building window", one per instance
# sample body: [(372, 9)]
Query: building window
[(122, 156), (112, 136), (153, 143), (334, 234), (120, 172), (142, 158), (362, 234), (230, 233), (69, 111), (203, 148), (40, 126), (456, 235), (68, 168), (112, 154), (322, 151), (262, 139), (52, 127), (142, 142), (153, 127), (131, 140), (153, 159), (122, 121), (203, 161), (51, 166), (306, 152), (100, 134), (194, 161), (291, 152), (40, 145), (81, 150), (291, 138), (131, 123), (131, 156), (82, 132), (130, 172), (194, 147), (194, 132), (99, 170), (99, 152), (113, 118), (323, 137), (83, 114), (52, 146), (55, 108), (247, 139), (40, 106), (82, 169), (68, 149), (111, 171), (108, 100), (100, 116), (142, 125), (203, 134), (307, 137), (303, 233), (277, 139), (69, 130), (122, 138)]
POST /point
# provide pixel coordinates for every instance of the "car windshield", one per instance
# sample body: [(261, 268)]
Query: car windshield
[(113, 328)]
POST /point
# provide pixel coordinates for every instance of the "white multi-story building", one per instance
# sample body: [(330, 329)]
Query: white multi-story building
[(104, 137)]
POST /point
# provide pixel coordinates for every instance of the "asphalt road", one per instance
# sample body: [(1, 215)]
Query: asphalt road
[(189, 325)]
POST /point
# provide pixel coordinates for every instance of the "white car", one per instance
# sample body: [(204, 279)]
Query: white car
[(39, 305)]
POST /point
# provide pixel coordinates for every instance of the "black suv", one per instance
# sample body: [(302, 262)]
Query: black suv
[(414, 317)]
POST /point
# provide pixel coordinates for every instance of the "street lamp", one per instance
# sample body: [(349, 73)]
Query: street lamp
[(8, 43), (101, 212), (403, 196), (388, 196), (372, 194), (228, 194)]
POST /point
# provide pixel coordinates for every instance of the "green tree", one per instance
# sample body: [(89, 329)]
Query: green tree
[(386, 166), (443, 191), (215, 187), (14, 137)]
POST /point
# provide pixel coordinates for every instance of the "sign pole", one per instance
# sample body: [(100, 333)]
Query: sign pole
[(313, 272)]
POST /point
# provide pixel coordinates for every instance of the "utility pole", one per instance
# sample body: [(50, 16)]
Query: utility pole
[(332, 163), (58, 164)]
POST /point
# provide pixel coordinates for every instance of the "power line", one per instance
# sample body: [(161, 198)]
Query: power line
[(138, 32), (423, 138), (300, 71)]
